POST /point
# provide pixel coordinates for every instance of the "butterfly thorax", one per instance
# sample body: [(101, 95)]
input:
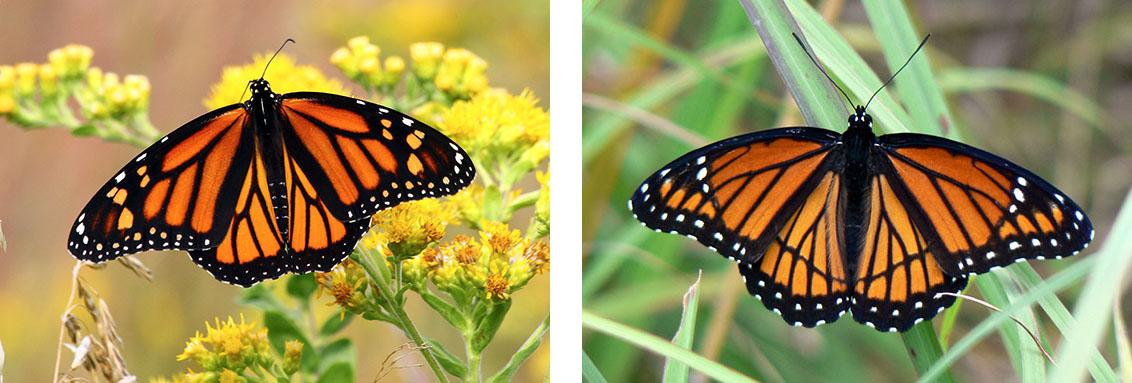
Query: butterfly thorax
[(263, 107), (858, 141)]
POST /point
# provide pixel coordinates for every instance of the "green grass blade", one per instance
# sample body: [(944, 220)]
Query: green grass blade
[(924, 349), (919, 93), (590, 373), (1123, 344), (588, 6), (674, 371), (1027, 278), (1048, 288), (1035, 85), (1094, 308), (661, 347), (507, 373), (844, 64), (820, 103)]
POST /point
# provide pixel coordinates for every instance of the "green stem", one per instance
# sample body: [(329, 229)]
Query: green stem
[(473, 372), (402, 318)]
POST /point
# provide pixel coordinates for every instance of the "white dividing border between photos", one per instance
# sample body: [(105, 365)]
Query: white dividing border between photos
[(566, 193)]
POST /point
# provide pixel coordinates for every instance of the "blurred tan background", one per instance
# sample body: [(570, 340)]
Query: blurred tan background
[(46, 176)]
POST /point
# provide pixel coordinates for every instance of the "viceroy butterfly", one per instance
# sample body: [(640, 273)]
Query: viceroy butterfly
[(276, 184), (822, 223)]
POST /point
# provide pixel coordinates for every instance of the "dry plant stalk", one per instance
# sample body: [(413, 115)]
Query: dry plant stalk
[(96, 346)]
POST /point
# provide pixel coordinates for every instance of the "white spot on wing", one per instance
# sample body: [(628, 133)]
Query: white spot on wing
[(121, 176)]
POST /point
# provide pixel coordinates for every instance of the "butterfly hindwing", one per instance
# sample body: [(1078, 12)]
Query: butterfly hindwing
[(733, 195), (363, 157), (177, 194), (898, 278), (983, 211), (802, 275)]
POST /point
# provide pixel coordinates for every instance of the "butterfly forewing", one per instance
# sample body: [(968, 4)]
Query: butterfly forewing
[(979, 210), (733, 195), (177, 194), (368, 157)]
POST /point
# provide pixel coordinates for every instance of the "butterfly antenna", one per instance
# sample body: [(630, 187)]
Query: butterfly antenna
[(273, 57), (922, 42), (822, 69)]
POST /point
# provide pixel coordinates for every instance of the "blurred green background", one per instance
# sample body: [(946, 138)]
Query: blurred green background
[(47, 176), (664, 77)]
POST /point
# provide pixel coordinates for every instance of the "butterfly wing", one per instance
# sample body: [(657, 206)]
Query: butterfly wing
[(177, 194), (773, 192), (977, 210), (362, 157), (897, 274), (802, 275)]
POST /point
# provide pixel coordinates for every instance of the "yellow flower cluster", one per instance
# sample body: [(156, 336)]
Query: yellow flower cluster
[(346, 283), (283, 74), (452, 73), (493, 266), (228, 348), (360, 61), (409, 228), (68, 71), (108, 96), (501, 130)]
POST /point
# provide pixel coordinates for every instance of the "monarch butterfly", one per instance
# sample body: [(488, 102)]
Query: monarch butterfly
[(277, 184), (820, 223)]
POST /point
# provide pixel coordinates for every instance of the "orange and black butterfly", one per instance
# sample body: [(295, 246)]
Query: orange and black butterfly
[(277, 184), (820, 223)]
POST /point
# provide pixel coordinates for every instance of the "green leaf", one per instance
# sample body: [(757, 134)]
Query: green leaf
[(525, 351), (334, 324), (1094, 307), (662, 347), (449, 312), (337, 352), (85, 131), (260, 297), (590, 373), (674, 371), (447, 360), (490, 323), (301, 286), (339, 372)]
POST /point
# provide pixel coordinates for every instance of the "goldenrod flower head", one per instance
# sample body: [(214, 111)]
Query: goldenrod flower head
[(7, 78), (426, 59), (346, 283), (228, 345), (284, 75), (498, 128), (500, 238), (229, 376), (412, 226), (71, 61), (360, 61), (48, 80), (7, 104), (26, 74), (537, 254), (292, 356), (461, 74), (497, 287)]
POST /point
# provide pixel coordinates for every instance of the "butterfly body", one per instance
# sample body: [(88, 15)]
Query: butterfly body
[(821, 223), (280, 183)]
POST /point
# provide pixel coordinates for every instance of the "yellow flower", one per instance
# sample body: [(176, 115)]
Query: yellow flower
[(292, 356), (497, 287), (229, 376), (461, 74), (284, 75), (537, 254), (426, 59), (26, 74), (500, 130), (48, 80), (500, 238), (412, 226), (228, 345), (70, 61), (346, 283), (360, 61)]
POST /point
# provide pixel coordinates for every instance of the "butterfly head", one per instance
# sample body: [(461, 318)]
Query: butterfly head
[(259, 87), (860, 119)]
